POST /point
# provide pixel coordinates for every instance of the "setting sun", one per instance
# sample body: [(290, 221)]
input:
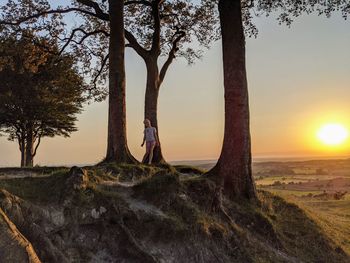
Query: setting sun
[(332, 134)]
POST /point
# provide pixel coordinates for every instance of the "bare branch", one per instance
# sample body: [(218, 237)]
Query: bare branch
[(104, 61), (135, 45), (37, 146), (86, 35), (50, 12), (140, 2), (98, 11), (171, 55)]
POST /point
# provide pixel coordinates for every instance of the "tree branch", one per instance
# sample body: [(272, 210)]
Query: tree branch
[(140, 2), (157, 20), (135, 45), (86, 35), (37, 146), (171, 55), (98, 11), (19, 139), (104, 61), (50, 12)]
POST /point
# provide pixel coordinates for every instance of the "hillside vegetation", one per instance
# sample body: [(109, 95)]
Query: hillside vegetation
[(140, 213)]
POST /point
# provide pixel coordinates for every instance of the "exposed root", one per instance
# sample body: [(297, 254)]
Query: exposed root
[(140, 250), (217, 206), (22, 241)]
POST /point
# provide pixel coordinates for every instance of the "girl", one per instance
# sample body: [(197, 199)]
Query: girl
[(151, 139)]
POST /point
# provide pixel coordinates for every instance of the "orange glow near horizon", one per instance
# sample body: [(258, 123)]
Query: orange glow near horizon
[(327, 135)]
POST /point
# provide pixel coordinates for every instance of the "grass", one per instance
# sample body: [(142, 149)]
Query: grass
[(276, 222), (333, 216), (42, 189), (187, 169), (127, 172), (310, 231), (299, 232)]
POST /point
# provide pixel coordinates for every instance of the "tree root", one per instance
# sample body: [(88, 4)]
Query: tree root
[(218, 207), (20, 239), (141, 251)]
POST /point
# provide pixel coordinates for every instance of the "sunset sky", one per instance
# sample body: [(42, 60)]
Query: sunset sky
[(299, 79)]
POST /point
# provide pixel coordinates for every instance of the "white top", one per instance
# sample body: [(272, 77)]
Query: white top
[(150, 134)]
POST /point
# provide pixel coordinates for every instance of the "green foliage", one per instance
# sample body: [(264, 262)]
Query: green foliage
[(157, 24), (40, 92)]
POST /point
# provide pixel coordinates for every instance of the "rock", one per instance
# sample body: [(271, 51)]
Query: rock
[(95, 213), (77, 179)]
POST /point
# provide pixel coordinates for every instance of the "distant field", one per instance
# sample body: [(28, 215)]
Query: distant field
[(312, 185), (333, 216)]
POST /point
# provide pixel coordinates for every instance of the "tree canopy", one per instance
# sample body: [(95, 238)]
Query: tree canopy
[(40, 93)]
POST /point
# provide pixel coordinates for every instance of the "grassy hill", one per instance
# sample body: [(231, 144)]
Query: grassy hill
[(147, 214)]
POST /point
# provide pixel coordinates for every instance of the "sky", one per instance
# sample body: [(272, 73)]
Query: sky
[(299, 80)]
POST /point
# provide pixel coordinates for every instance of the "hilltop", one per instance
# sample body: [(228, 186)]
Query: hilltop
[(131, 213)]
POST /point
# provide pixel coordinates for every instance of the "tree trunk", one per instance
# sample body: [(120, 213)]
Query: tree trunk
[(151, 103), (29, 158), (234, 165), (23, 151), (117, 149)]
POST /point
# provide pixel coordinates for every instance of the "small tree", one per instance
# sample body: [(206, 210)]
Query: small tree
[(40, 93)]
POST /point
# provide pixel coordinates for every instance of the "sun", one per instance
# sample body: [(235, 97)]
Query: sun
[(332, 134)]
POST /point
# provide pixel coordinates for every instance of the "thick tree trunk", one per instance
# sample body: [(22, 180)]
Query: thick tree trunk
[(151, 103), (29, 158), (234, 165), (117, 149)]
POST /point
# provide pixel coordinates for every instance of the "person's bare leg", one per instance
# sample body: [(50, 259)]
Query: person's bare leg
[(147, 153), (151, 154), (145, 158)]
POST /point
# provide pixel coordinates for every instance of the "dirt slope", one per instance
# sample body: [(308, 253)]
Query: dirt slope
[(146, 214)]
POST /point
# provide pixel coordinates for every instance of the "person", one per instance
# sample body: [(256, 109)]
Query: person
[(150, 137)]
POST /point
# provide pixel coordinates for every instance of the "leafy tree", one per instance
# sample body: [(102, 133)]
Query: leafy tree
[(40, 93), (154, 28), (166, 28), (94, 48), (233, 169)]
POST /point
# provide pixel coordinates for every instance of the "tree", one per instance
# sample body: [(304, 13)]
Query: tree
[(40, 93), (234, 164), (153, 28), (117, 148), (233, 169), (95, 50), (163, 28)]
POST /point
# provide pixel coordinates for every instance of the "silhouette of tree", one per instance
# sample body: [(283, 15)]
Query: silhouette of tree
[(40, 93), (233, 169)]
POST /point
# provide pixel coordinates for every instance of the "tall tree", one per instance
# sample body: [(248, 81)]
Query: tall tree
[(40, 93), (158, 28), (153, 28), (117, 149), (97, 41), (234, 164), (233, 169)]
